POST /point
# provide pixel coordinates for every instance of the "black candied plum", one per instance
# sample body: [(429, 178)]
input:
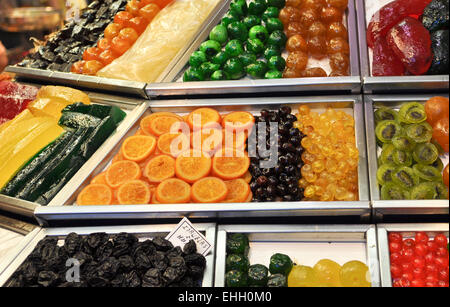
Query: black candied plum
[(190, 248), (162, 244), (126, 263), (152, 278), (143, 262), (72, 243), (47, 279), (93, 241), (440, 46), (196, 272), (132, 280), (175, 252), (147, 247), (195, 259), (103, 252)]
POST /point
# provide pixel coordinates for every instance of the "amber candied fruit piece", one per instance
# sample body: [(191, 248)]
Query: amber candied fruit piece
[(294, 3), (330, 14), (317, 29), (337, 29), (296, 43), (297, 60), (289, 14), (294, 28), (316, 5), (317, 47), (339, 62), (291, 73), (314, 72), (338, 44), (308, 17), (339, 4)]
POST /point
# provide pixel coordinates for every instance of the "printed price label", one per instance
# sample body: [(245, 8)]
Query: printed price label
[(184, 232)]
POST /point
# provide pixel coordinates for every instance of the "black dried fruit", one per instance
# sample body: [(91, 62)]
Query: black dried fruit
[(195, 259), (152, 278), (190, 247), (439, 44), (435, 15), (162, 244), (72, 243), (47, 279)]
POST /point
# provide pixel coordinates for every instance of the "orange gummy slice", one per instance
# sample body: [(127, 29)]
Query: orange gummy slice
[(238, 191), (121, 172), (139, 147), (95, 194), (192, 165), (209, 190), (173, 191), (230, 163), (160, 168), (134, 192)]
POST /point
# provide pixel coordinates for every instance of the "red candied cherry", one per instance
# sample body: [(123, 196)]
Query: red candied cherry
[(417, 283), (421, 237), (441, 252), (441, 262), (396, 271), (421, 249), (431, 281), (409, 243), (395, 237), (407, 254), (440, 240), (432, 246), (396, 258), (442, 284), (419, 262), (407, 267), (395, 247), (419, 273), (443, 274)]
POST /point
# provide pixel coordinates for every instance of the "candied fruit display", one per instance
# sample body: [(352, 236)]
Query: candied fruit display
[(418, 259), (14, 98), (330, 171), (408, 165)]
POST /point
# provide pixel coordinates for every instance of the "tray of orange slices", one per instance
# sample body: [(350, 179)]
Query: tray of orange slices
[(230, 158)]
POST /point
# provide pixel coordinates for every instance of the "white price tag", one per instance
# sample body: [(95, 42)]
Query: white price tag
[(184, 232)]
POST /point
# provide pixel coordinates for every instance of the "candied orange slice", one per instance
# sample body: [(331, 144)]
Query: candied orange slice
[(134, 192), (160, 168), (137, 148), (118, 157), (173, 144), (192, 165), (209, 190), (238, 121), (249, 198), (238, 191), (247, 177), (165, 124), (207, 140), (234, 139), (100, 178), (121, 172), (230, 163), (203, 117), (146, 122), (95, 194), (173, 191)]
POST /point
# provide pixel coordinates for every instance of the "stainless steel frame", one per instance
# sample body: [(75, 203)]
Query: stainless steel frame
[(105, 84), (170, 86), (134, 107), (63, 209), (403, 84), (142, 231), (300, 233), (393, 207), (407, 230)]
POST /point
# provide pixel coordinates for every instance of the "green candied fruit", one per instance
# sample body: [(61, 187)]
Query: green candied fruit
[(277, 281), (193, 74), (239, 7), (412, 113), (219, 34), (277, 63), (237, 262), (280, 264), (235, 279), (251, 21), (229, 18), (392, 191), (219, 75), (438, 165), (208, 69), (277, 38), (427, 172), (210, 48), (234, 48), (403, 142), (237, 243), (276, 3), (273, 74), (274, 24), (425, 153), (271, 51), (405, 177), (429, 190), (257, 7), (237, 30), (258, 275), (419, 133), (402, 158), (386, 130), (197, 58), (259, 32), (385, 113), (220, 58), (387, 154), (255, 46), (271, 12), (247, 58), (257, 70), (234, 68), (384, 173)]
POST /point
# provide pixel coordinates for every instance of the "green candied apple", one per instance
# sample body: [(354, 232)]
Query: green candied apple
[(251, 21), (247, 58), (402, 158), (257, 70), (387, 152), (405, 177), (259, 32), (239, 7), (273, 74), (208, 69), (385, 113), (280, 264), (392, 191), (271, 51), (197, 58), (193, 74), (427, 172), (271, 12), (234, 48), (229, 18), (276, 3), (403, 142), (235, 278), (237, 262), (419, 133), (384, 173), (237, 243), (234, 68), (429, 190), (257, 7), (211, 48), (219, 34), (219, 75), (277, 63), (386, 130), (412, 113), (255, 46), (425, 153), (237, 30), (220, 58), (258, 275), (277, 38), (274, 24)]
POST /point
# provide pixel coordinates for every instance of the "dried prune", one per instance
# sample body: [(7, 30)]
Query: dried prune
[(190, 248), (94, 240), (143, 262), (132, 280), (104, 251), (195, 272), (152, 278), (174, 252), (72, 243), (126, 263), (162, 244), (195, 259), (47, 279), (146, 247)]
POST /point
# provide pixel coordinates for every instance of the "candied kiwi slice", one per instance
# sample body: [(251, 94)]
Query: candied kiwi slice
[(402, 158), (386, 130), (405, 177), (419, 133), (425, 153), (403, 142), (392, 191), (427, 172), (412, 113), (385, 113), (429, 190), (387, 154), (385, 172)]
